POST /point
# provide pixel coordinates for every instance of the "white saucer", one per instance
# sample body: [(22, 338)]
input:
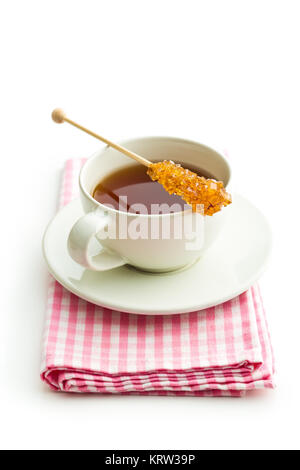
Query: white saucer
[(227, 269)]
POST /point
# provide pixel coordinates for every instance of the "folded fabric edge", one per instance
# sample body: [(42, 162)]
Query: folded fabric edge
[(250, 360), (213, 390), (62, 379), (246, 366)]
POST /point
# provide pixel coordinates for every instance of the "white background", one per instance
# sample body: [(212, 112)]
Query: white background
[(225, 73)]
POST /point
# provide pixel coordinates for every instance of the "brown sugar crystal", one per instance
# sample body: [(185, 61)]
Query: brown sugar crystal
[(206, 196)]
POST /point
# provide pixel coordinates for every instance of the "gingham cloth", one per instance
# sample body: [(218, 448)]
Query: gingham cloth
[(224, 350)]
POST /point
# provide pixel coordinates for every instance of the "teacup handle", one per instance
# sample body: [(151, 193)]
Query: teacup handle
[(80, 237)]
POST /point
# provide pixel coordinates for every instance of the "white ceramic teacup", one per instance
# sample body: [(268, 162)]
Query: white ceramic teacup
[(152, 252)]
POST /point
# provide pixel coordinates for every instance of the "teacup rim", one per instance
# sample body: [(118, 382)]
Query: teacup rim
[(150, 137)]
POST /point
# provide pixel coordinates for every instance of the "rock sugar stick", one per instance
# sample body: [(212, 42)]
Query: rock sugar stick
[(207, 196)]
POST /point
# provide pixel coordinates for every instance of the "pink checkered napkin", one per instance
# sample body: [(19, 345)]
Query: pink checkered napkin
[(223, 350)]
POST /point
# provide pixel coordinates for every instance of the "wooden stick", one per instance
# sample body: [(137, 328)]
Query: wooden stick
[(59, 117)]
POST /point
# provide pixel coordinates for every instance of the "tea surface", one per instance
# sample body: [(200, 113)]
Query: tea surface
[(134, 183)]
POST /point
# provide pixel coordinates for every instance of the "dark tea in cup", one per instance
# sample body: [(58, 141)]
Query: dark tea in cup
[(130, 189)]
